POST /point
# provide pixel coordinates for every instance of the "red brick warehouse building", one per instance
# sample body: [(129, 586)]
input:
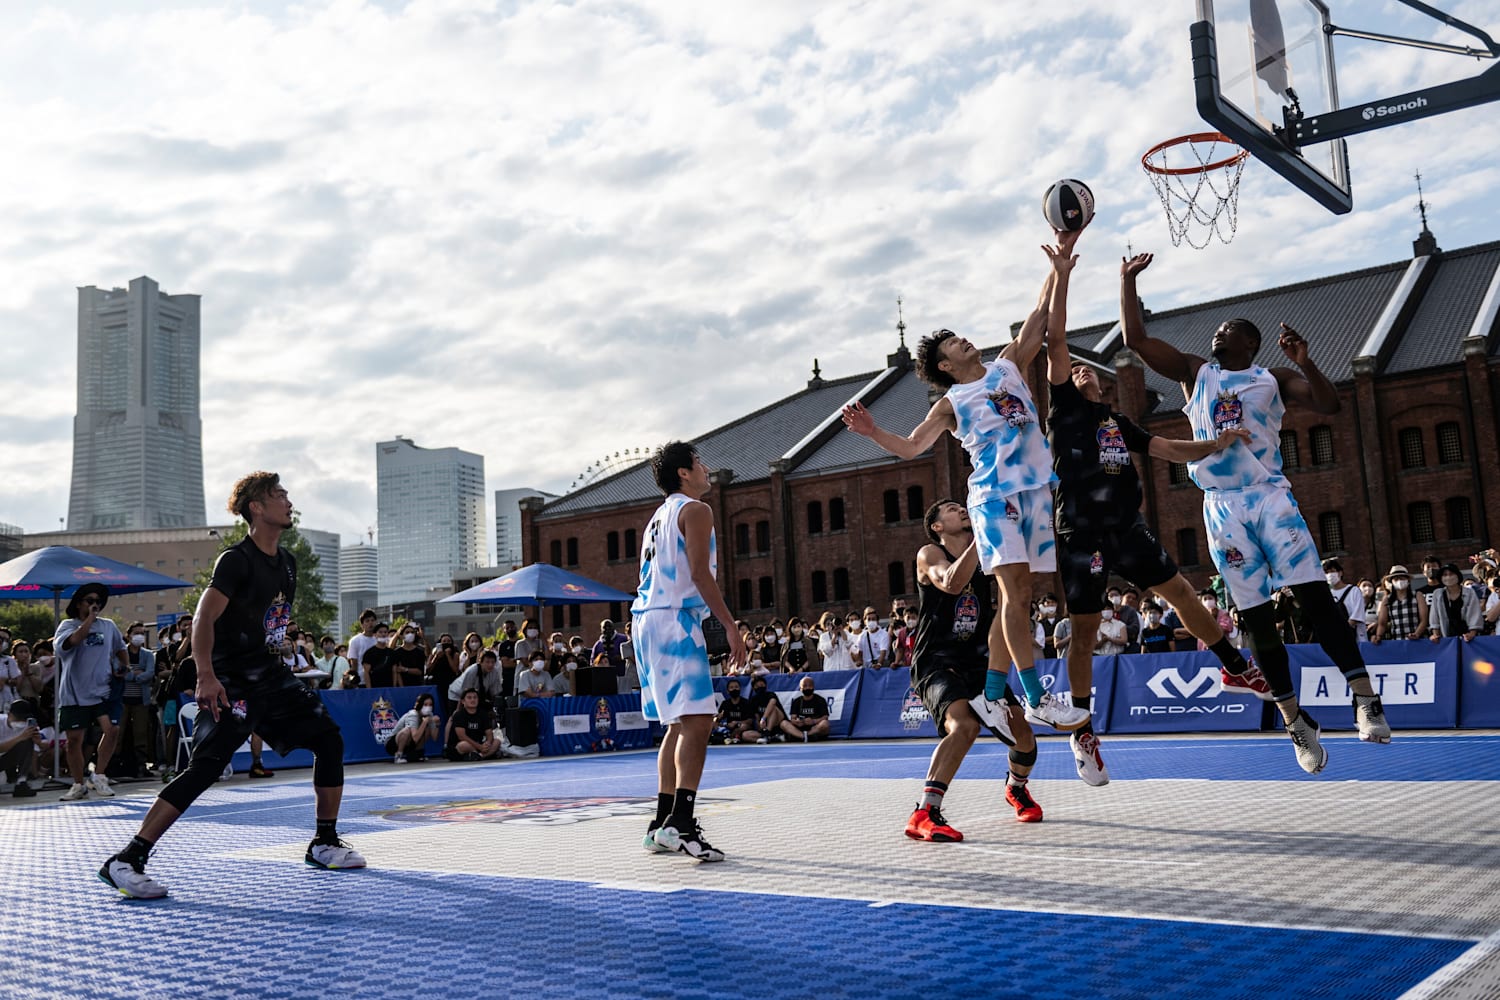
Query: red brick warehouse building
[(811, 518)]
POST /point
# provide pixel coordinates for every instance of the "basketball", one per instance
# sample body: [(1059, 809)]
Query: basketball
[(1068, 205)]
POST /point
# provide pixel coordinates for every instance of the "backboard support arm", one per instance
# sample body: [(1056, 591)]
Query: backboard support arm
[(1408, 107)]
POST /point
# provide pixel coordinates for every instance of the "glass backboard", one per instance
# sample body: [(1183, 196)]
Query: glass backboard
[(1257, 61)]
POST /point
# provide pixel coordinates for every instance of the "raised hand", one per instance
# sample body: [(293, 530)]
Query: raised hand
[(1062, 260), (1133, 266), (858, 419), (1293, 345)]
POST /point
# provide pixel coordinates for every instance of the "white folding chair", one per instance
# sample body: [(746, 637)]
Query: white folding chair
[(187, 727)]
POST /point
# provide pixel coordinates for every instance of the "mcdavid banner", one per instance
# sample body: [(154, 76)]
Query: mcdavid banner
[(1417, 682), (1054, 677), (1177, 693)]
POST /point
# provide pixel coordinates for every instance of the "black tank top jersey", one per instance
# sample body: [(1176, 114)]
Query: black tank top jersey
[(260, 589), (953, 625), (1097, 485)]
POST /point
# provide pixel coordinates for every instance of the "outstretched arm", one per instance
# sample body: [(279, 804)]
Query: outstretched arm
[(1311, 388), (923, 436), (1057, 314), (1023, 350), (1163, 358), (1192, 451)]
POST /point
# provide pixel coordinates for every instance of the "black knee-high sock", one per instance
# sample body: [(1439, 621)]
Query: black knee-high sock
[(682, 808), (664, 802), (1086, 702), (1229, 657), (1259, 624), (1331, 629)]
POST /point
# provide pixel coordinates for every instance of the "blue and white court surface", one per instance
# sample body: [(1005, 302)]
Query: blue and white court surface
[(1208, 867)]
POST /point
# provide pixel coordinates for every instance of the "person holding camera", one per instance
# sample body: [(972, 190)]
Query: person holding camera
[(835, 647), (442, 665), (20, 740)]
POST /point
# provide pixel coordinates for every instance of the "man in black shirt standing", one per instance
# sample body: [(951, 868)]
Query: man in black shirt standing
[(949, 661), (243, 687), (1100, 529)]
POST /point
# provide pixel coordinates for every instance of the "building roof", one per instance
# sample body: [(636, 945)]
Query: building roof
[(1444, 316), (898, 409)]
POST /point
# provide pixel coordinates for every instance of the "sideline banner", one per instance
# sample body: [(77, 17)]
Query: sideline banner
[(366, 717), (1417, 682), (840, 687), (1053, 674), (888, 707), (590, 723), (1479, 694), (1177, 693)]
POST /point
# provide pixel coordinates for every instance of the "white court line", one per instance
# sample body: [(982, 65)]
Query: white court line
[(1434, 985), (1155, 862)]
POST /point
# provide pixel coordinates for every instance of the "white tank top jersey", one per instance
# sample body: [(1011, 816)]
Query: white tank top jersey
[(666, 577), (1250, 399), (997, 424)]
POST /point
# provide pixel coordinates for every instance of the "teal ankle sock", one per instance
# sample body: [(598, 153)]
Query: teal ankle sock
[(1032, 685), (994, 685)]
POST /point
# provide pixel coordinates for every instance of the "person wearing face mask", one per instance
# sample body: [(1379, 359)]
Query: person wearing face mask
[(413, 731), (801, 650), (442, 665), (408, 656), (1348, 596), (771, 642), (874, 642), (1156, 635), (1044, 641), (855, 627), (529, 642), (904, 644), (1372, 604), (807, 717), (331, 663), (1110, 638), (768, 711), (949, 672), (375, 664), (1453, 609), (835, 647), (1402, 614), (563, 682), (736, 718), (135, 687), (1222, 617), (469, 654), (534, 681)]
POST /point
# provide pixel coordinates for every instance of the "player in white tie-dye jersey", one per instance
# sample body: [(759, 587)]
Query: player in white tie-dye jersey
[(988, 407), (679, 562), (1257, 537)]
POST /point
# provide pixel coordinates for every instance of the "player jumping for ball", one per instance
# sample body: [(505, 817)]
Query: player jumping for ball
[(989, 409), (1100, 529), (679, 562), (1257, 537), (244, 687), (949, 669)]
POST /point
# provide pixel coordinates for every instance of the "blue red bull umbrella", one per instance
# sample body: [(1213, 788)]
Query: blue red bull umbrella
[(540, 584), (57, 572)]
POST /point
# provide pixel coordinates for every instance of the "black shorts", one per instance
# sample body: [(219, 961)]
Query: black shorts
[(1087, 558), (280, 709), (942, 680)]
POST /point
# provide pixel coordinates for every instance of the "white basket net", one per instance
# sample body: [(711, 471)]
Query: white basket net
[(1197, 178)]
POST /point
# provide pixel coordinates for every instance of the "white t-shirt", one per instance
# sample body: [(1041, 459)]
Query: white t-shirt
[(873, 643), (358, 645), (836, 651), (10, 679), (1353, 600)]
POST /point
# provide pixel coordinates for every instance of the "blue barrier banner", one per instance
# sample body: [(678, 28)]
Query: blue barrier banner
[(1417, 682), (590, 723), (888, 707), (839, 687), (1479, 687), (1053, 673), (366, 716), (1177, 693)]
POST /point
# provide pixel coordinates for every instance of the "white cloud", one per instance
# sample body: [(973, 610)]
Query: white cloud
[(545, 231)]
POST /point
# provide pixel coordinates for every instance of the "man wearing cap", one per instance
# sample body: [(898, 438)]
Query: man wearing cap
[(1402, 615), (90, 648)]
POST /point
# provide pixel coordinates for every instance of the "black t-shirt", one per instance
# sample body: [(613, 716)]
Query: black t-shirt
[(470, 727), (382, 666), (1097, 483), (737, 710), (506, 649), (809, 706), (412, 658), (260, 590), (1156, 639), (953, 625), (760, 701)]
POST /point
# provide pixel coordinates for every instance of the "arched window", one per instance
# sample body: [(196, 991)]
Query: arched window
[(896, 577), (763, 537), (815, 517), (1460, 521), (892, 501), (1419, 520), (575, 616), (1187, 546), (819, 587), (1320, 439), (572, 552), (742, 539), (1450, 444), (556, 551), (836, 514), (1331, 532), (1177, 473), (746, 594), (767, 592), (1291, 458), (557, 616), (915, 508), (841, 584), (612, 546), (1410, 443), (631, 551)]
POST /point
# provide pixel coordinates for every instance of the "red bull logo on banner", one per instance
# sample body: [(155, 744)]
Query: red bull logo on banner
[(913, 712), (383, 721), (1226, 411), (603, 718), (1012, 409)]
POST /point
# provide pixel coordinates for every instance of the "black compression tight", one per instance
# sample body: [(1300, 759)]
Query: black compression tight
[(1330, 625), (183, 791), (1259, 624)]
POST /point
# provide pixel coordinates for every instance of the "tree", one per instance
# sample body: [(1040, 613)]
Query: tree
[(309, 610), (29, 620)]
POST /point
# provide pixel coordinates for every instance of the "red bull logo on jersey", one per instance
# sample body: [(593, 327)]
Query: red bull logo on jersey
[(1226, 411), (913, 712), (1113, 453), (1012, 409), (1096, 564), (278, 617), (1234, 558), (1012, 512), (383, 720), (965, 614)]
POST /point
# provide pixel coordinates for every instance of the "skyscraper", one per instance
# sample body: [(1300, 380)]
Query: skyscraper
[(137, 436), (429, 515), (359, 582), (325, 545), (508, 524)]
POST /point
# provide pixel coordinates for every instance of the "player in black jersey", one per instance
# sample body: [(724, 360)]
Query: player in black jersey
[(244, 687), (949, 661), (1100, 529)]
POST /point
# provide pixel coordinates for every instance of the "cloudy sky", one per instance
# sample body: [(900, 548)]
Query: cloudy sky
[(545, 232)]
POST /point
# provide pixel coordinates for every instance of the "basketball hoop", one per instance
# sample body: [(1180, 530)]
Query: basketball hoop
[(1197, 178)]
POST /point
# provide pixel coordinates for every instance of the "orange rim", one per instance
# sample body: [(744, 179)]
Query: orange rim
[(1214, 137)]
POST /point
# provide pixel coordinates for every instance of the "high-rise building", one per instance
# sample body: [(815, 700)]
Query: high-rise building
[(325, 545), (429, 515), (359, 583), (508, 525), (137, 436)]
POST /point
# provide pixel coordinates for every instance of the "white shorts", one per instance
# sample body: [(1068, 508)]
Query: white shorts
[(1259, 542), (671, 660), (1015, 529)]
